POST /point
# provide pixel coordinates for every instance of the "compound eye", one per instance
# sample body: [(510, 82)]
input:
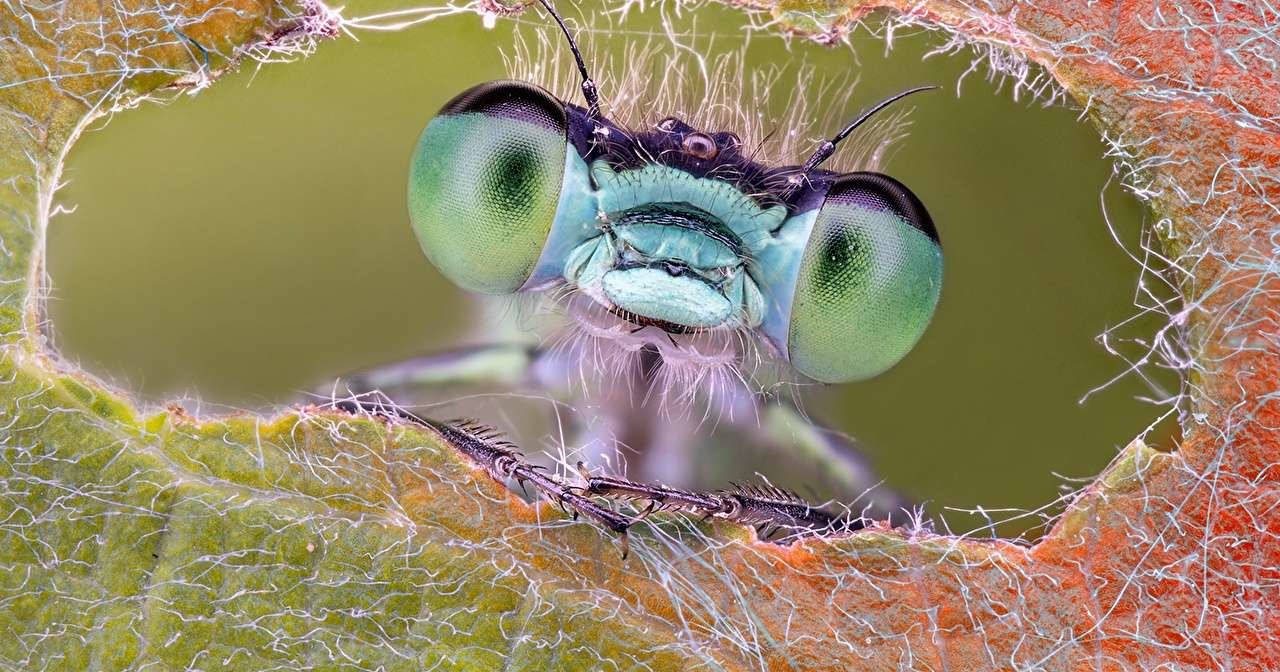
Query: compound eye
[(485, 182), (869, 280)]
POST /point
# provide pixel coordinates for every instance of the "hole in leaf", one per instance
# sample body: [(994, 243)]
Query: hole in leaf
[(244, 244)]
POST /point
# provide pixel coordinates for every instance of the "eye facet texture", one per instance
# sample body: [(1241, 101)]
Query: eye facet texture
[(485, 181), (868, 283)]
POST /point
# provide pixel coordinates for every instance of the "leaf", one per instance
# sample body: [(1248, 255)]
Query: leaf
[(139, 538)]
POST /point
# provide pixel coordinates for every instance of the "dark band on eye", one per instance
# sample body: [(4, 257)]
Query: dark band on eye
[(875, 191), (511, 100)]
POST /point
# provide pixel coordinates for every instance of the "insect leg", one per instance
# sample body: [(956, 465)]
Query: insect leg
[(501, 459), (659, 496), (768, 508), (772, 510)]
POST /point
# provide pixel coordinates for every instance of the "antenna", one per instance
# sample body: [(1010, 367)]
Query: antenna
[(828, 147), (588, 85)]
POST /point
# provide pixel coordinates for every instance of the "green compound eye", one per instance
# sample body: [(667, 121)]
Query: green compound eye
[(485, 182), (868, 281)]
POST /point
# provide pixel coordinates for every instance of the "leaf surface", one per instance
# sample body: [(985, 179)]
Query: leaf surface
[(149, 539)]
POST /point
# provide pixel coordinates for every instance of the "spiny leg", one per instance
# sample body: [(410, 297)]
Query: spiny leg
[(772, 509), (659, 497), (501, 459), (768, 508)]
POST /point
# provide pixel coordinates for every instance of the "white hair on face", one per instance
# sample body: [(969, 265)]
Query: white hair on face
[(710, 90), (711, 369)]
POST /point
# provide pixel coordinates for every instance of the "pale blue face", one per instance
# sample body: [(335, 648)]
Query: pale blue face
[(674, 249), (671, 229)]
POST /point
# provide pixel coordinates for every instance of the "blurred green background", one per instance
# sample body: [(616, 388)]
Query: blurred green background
[(249, 243)]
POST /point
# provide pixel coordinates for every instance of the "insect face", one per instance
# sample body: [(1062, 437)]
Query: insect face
[(672, 230)]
